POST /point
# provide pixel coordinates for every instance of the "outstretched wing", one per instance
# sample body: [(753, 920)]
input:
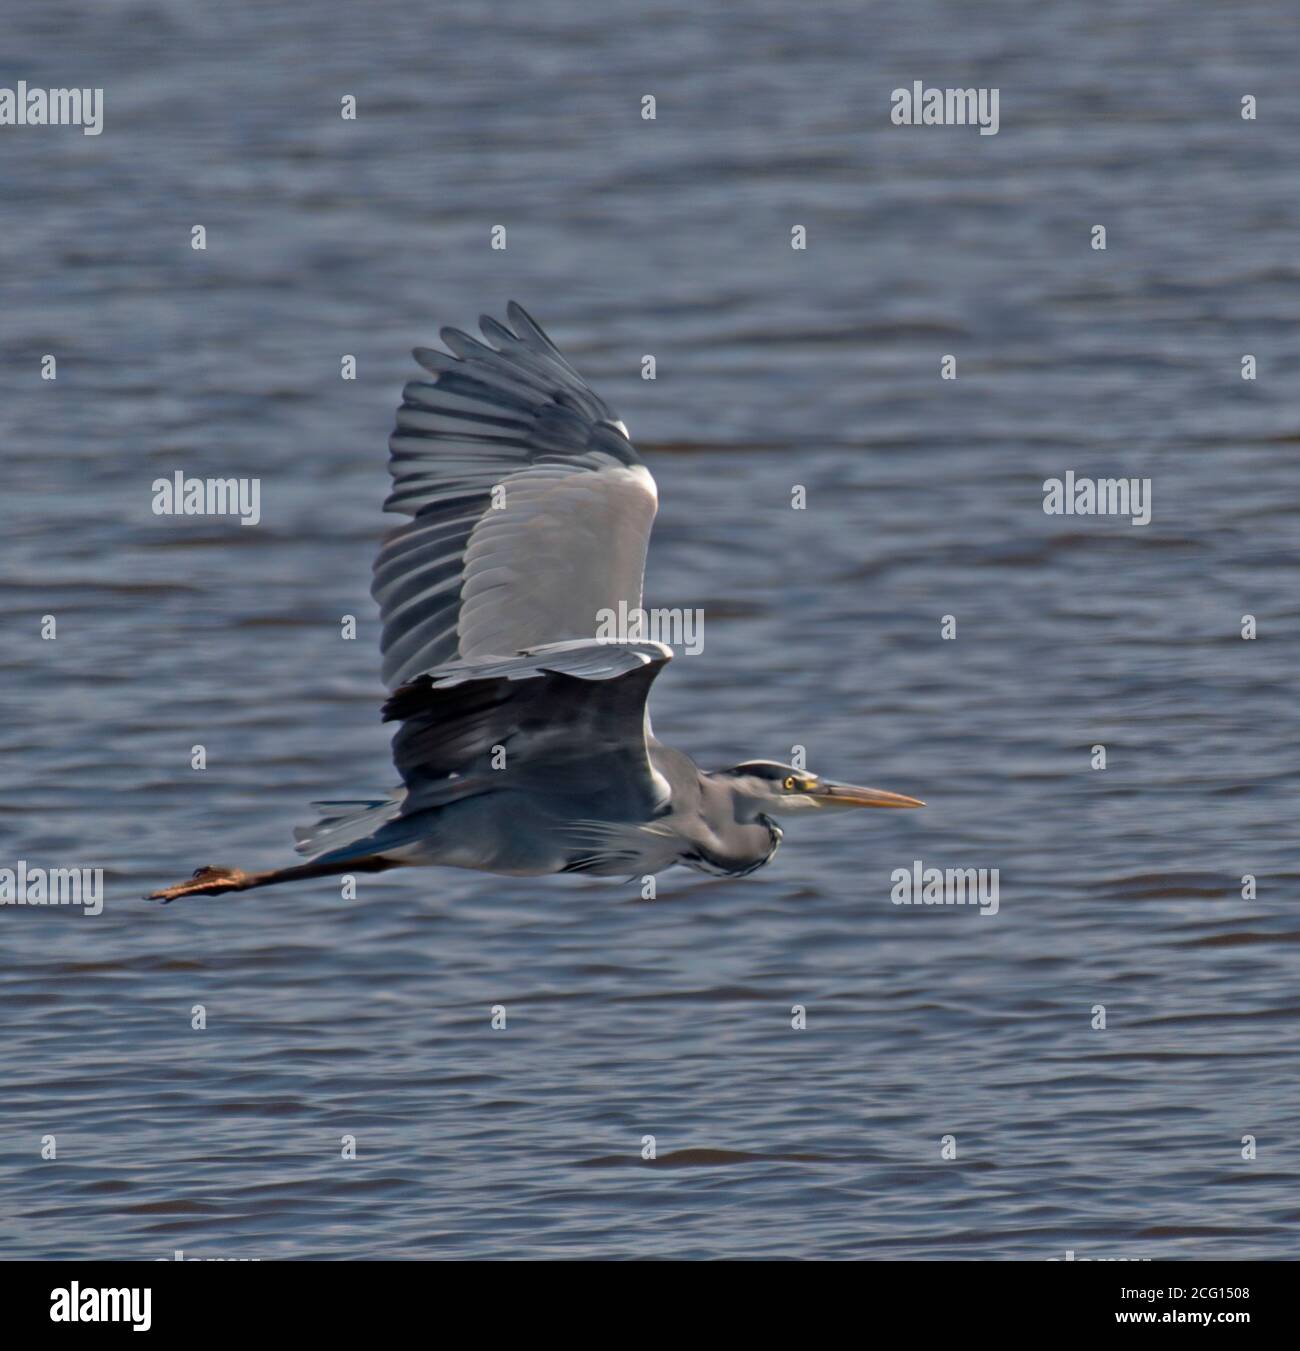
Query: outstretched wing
[(566, 719), (532, 508)]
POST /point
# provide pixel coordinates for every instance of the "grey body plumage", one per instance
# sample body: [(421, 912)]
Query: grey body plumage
[(524, 745)]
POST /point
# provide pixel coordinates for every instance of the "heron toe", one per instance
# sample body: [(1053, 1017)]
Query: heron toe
[(210, 881)]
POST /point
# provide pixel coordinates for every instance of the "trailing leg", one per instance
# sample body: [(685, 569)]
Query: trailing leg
[(216, 881)]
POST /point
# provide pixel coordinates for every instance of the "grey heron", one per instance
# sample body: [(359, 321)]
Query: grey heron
[(524, 746)]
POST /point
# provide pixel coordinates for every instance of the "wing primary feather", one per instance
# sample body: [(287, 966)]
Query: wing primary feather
[(531, 509)]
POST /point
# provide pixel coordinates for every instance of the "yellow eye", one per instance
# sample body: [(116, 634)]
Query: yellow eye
[(789, 784)]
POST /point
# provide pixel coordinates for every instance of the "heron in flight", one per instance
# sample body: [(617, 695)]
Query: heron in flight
[(524, 745)]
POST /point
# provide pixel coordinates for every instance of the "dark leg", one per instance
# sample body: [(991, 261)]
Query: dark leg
[(215, 881)]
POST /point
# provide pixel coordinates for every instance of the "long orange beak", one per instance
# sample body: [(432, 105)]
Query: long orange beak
[(831, 794)]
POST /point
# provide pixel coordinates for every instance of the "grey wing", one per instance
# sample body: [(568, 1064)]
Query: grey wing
[(532, 510), (565, 722)]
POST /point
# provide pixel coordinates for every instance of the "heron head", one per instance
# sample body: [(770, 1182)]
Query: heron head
[(782, 789)]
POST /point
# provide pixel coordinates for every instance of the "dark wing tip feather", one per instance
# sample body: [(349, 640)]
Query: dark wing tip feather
[(524, 321), (406, 700)]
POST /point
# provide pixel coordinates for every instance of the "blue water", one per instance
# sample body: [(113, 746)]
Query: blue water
[(371, 1017)]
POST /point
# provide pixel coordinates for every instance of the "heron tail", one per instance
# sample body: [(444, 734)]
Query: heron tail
[(341, 824)]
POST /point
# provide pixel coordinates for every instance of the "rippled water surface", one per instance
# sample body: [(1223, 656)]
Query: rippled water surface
[(329, 1017)]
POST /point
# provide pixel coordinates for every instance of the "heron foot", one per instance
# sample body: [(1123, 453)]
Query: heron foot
[(205, 882)]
